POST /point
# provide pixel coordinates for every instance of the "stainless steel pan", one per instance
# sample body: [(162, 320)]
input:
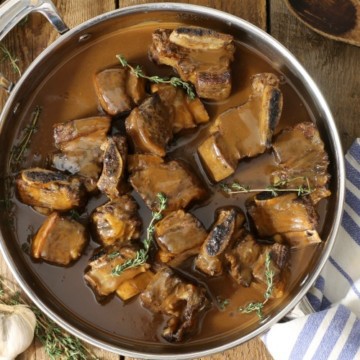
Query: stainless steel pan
[(83, 35)]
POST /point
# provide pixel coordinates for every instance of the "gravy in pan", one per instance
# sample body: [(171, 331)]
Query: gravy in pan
[(68, 93)]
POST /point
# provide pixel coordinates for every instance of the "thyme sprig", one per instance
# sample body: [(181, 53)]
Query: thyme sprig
[(7, 56), (174, 81), (274, 189), (259, 306), (6, 203), (18, 150), (222, 303), (142, 254), (57, 343)]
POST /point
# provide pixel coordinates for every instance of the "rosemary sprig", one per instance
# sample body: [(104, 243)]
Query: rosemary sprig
[(142, 254), (274, 189), (259, 306), (17, 152), (174, 81), (7, 56), (57, 343)]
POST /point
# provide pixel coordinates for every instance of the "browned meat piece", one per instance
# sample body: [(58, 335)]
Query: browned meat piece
[(302, 159), (59, 240), (117, 221), (181, 300), (99, 273), (241, 258), (50, 189), (201, 56), (293, 217), (130, 288), (79, 134), (174, 179), (188, 113), (298, 239), (246, 262), (217, 159), (224, 232), (138, 162), (150, 126), (79, 142), (178, 233), (119, 90), (112, 179), (243, 131)]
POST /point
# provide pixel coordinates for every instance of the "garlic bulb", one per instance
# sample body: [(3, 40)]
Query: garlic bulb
[(17, 326)]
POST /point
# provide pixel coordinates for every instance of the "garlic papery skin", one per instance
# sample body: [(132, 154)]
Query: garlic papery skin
[(17, 326)]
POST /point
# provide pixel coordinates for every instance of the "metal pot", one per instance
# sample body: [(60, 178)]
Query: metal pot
[(91, 31)]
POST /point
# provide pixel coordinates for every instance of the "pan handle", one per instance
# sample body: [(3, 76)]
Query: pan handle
[(301, 309), (12, 11)]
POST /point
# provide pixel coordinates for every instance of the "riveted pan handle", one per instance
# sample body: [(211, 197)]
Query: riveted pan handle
[(13, 11)]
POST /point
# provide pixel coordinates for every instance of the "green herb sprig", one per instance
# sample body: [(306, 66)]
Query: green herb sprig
[(142, 254), (274, 189), (174, 81), (6, 203), (57, 343), (18, 150), (222, 303), (7, 56), (259, 306)]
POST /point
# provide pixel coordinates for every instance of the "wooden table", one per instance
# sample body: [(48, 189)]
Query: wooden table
[(334, 66)]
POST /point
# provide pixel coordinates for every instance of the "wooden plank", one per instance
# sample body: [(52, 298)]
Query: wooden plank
[(251, 350), (250, 10), (334, 66), (26, 42)]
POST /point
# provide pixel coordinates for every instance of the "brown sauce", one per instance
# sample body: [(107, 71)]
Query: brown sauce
[(68, 93)]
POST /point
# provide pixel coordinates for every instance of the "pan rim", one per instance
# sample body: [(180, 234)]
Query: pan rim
[(333, 134)]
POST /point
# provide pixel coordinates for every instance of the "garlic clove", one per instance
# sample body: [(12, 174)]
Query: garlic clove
[(17, 326)]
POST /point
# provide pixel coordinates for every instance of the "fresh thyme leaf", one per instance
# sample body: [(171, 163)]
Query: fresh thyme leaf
[(57, 343), (259, 306), (269, 275), (143, 254), (24, 21), (18, 150), (174, 81), (5, 204), (74, 215), (113, 255), (234, 188), (7, 56), (254, 306), (25, 247), (279, 186), (222, 303)]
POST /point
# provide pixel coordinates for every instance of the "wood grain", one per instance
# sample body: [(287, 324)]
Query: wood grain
[(250, 10), (336, 19), (334, 66)]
